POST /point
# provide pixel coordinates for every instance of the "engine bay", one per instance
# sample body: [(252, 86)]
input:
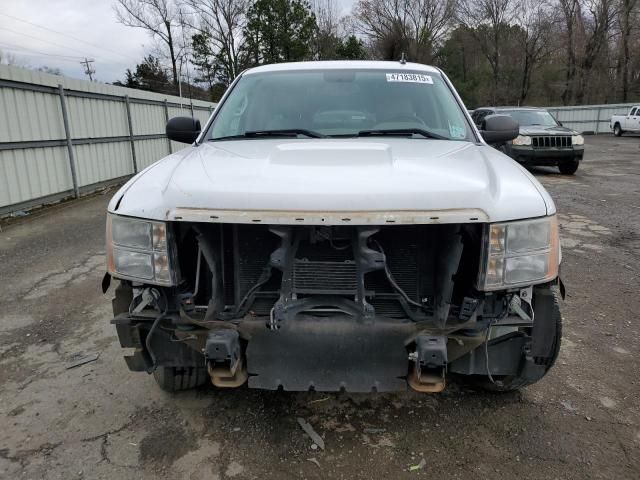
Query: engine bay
[(424, 273)]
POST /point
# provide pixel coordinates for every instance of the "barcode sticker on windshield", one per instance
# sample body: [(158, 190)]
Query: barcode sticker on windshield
[(409, 77)]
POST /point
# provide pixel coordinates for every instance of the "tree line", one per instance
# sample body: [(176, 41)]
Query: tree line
[(516, 52)]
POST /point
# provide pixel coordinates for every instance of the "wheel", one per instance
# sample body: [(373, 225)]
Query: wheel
[(516, 382), (569, 168), (617, 131), (175, 379)]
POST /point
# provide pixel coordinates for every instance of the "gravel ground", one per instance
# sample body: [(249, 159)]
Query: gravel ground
[(101, 421)]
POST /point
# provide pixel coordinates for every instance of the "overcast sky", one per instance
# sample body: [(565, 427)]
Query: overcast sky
[(60, 33)]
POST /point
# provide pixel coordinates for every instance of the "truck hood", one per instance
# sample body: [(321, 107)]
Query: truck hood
[(409, 180)]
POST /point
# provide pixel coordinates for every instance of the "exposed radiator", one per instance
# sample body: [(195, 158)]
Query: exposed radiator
[(333, 278)]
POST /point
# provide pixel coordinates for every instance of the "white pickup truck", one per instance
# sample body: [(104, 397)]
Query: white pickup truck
[(351, 229), (626, 123)]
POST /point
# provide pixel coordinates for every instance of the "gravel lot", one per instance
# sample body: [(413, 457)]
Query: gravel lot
[(101, 421)]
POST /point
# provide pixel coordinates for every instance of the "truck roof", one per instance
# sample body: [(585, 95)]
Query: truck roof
[(343, 64)]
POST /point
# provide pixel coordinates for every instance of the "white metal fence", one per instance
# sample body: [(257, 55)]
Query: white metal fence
[(590, 118), (61, 137)]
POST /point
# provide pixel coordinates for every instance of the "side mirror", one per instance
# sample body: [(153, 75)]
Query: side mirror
[(183, 129), (559, 123), (499, 128)]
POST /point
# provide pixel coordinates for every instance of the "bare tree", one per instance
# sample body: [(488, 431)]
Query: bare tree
[(328, 21), (488, 21), (571, 14), (414, 27), (223, 21), (625, 25), (535, 20), (587, 31), (597, 19), (160, 18)]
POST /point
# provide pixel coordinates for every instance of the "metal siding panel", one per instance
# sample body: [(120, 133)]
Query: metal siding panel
[(147, 119), (589, 118), (150, 151), (13, 114), (179, 112), (45, 117), (102, 161), (93, 118), (29, 76), (26, 115), (32, 173)]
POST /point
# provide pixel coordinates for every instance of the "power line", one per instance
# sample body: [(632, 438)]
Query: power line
[(28, 51), (42, 40), (66, 35)]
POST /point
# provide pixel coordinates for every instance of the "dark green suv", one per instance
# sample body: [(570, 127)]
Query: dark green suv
[(542, 140)]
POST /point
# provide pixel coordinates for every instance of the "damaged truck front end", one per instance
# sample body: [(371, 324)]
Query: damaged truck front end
[(375, 305)]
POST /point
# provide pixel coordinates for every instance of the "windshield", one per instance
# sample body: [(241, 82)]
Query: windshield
[(340, 103), (532, 117)]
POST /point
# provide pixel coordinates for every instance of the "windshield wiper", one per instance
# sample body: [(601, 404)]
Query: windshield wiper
[(402, 132), (288, 132)]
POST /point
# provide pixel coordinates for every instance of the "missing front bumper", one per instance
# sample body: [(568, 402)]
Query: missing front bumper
[(331, 354)]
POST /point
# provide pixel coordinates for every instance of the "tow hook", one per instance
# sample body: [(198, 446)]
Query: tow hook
[(224, 359), (430, 361)]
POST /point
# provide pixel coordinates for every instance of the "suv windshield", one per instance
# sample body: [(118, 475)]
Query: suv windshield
[(532, 117), (340, 103)]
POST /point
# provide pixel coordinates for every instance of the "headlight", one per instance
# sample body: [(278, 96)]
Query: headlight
[(577, 140), (517, 254), (521, 140), (138, 250)]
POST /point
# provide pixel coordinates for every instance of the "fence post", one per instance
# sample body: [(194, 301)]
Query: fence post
[(598, 120), (67, 131), (166, 120), (131, 139)]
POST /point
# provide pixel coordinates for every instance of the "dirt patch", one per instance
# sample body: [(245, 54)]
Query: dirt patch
[(168, 438), (625, 238)]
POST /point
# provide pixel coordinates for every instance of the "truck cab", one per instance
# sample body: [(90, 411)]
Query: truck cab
[(626, 123)]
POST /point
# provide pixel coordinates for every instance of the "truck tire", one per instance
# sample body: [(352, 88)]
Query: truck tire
[(175, 379), (516, 382), (617, 130), (569, 168)]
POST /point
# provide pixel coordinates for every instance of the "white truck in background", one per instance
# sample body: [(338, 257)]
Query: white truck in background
[(629, 123)]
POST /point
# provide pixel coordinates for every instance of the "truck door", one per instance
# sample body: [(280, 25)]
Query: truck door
[(631, 122)]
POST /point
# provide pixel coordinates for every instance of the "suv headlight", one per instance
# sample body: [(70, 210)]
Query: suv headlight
[(520, 253), (577, 140), (521, 140), (138, 250)]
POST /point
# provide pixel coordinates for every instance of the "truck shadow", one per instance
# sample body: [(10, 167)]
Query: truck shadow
[(548, 171)]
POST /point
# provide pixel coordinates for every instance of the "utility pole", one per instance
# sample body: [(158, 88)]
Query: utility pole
[(88, 69)]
